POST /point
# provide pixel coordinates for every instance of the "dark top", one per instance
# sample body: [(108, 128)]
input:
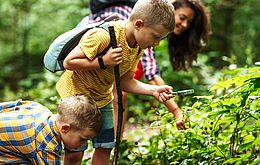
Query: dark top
[(97, 5)]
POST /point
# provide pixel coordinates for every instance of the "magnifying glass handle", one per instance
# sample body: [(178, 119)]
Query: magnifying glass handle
[(183, 92)]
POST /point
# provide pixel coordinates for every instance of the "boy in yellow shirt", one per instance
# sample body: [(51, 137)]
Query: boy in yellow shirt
[(31, 134), (149, 22)]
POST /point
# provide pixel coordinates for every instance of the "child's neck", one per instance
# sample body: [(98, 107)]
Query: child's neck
[(129, 35)]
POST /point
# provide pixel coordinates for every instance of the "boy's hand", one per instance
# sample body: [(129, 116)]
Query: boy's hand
[(163, 93), (113, 56)]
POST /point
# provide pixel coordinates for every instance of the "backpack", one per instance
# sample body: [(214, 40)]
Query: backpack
[(98, 5), (63, 44)]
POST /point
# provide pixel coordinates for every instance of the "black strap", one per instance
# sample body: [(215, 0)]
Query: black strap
[(99, 5), (101, 62), (74, 41), (119, 96)]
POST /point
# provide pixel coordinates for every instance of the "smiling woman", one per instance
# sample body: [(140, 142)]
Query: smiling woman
[(183, 19), (190, 34)]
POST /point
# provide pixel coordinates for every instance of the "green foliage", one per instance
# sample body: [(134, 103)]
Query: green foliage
[(234, 36), (223, 127), (28, 27), (223, 123), (37, 87)]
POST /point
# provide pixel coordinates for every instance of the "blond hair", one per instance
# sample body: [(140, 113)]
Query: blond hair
[(80, 112), (154, 12)]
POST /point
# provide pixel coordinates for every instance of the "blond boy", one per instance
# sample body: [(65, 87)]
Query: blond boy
[(31, 134), (149, 22)]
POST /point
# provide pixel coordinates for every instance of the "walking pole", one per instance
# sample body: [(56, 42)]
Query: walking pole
[(119, 96)]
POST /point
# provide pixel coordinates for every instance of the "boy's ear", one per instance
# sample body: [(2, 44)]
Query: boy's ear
[(138, 23), (65, 128)]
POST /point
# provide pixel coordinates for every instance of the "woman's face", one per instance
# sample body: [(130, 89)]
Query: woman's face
[(183, 19)]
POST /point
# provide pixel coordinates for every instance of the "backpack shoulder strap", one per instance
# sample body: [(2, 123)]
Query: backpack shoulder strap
[(75, 40), (66, 42)]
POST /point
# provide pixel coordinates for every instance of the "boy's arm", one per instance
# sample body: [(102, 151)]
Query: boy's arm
[(77, 60), (131, 85)]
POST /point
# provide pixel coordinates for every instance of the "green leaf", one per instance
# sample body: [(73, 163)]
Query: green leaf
[(256, 161), (245, 146), (256, 83), (218, 112), (204, 97), (257, 141), (155, 124), (231, 161), (249, 138)]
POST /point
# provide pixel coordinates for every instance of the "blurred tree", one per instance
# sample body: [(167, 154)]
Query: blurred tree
[(29, 26), (235, 32)]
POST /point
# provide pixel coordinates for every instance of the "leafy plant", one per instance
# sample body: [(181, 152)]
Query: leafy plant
[(223, 127)]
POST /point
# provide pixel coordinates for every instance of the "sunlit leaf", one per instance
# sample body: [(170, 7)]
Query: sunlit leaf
[(257, 141), (219, 112)]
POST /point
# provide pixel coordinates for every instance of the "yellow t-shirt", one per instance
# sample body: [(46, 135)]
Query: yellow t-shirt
[(98, 83)]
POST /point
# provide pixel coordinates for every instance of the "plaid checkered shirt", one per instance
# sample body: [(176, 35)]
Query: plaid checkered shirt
[(28, 134)]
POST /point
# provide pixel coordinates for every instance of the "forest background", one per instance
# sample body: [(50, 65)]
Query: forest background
[(226, 69)]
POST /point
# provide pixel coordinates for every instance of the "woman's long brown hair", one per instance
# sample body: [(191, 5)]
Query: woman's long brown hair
[(184, 48)]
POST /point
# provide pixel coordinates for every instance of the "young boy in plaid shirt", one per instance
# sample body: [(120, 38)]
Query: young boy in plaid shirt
[(31, 134)]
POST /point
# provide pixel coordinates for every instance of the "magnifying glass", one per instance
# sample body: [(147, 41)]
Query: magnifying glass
[(183, 92)]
